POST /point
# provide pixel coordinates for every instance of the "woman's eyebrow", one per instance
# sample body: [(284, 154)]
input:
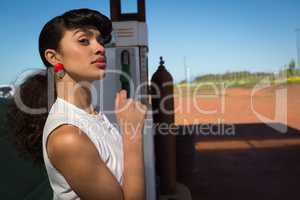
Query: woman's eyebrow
[(87, 32), (77, 31)]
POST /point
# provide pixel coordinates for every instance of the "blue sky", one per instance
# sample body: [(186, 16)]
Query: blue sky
[(214, 36)]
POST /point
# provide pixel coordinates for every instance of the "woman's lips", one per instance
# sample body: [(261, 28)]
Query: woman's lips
[(100, 63)]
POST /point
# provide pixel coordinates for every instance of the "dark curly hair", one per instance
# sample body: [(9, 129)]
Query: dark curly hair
[(27, 128)]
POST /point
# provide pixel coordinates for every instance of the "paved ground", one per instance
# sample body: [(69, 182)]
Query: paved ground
[(256, 162)]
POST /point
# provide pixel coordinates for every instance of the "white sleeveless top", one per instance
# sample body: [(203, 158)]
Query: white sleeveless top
[(106, 138)]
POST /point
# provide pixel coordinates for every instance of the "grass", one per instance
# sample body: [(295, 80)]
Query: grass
[(214, 86), (293, 79)]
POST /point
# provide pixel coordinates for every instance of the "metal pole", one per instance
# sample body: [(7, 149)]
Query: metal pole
[(298, 47), (187, 71)]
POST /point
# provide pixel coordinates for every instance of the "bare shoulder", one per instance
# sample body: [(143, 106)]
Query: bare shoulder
[(76, 157), (68, 141), (64, 135)]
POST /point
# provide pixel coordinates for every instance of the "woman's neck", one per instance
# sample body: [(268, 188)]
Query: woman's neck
[(76, 93)]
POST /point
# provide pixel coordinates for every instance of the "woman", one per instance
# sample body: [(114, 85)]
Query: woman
[(85, 156)]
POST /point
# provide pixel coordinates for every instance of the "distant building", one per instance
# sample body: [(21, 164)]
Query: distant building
[(6, 91)]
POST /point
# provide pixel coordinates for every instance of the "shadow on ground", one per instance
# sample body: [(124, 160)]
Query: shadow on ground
[(257, 162)]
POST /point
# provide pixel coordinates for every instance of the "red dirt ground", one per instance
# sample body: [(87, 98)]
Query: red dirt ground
[(257, 162), (237, 106)]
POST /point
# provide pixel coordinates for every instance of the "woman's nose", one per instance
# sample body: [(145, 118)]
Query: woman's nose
[(99, 48)]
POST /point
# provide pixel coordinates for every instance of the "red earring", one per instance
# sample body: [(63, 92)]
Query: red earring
[(59, 70)]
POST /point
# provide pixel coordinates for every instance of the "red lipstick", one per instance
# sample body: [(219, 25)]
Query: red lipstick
[(100, 63)]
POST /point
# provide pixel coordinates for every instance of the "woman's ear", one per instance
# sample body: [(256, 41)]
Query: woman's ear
[(52, 56)]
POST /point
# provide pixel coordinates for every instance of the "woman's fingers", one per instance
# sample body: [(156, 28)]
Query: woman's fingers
[(123, 97), (123, 94), (122, 103), (141, 107), (117, 101), (121, 100)]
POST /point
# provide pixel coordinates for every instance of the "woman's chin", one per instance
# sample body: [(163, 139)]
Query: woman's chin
[(101, 75)]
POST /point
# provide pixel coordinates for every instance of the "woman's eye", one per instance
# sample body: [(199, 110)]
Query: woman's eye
[(84, 41), (101, 40)]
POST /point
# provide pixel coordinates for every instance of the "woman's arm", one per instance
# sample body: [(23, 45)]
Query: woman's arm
[(133, 185), (131, 115), (76, 157)]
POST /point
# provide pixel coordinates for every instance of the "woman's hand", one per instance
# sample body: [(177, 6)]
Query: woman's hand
[(130, 114)]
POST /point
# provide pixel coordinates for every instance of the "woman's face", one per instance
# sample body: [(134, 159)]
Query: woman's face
[(83, 54)]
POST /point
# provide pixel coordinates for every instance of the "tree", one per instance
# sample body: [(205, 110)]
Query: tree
[(292, 65)]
